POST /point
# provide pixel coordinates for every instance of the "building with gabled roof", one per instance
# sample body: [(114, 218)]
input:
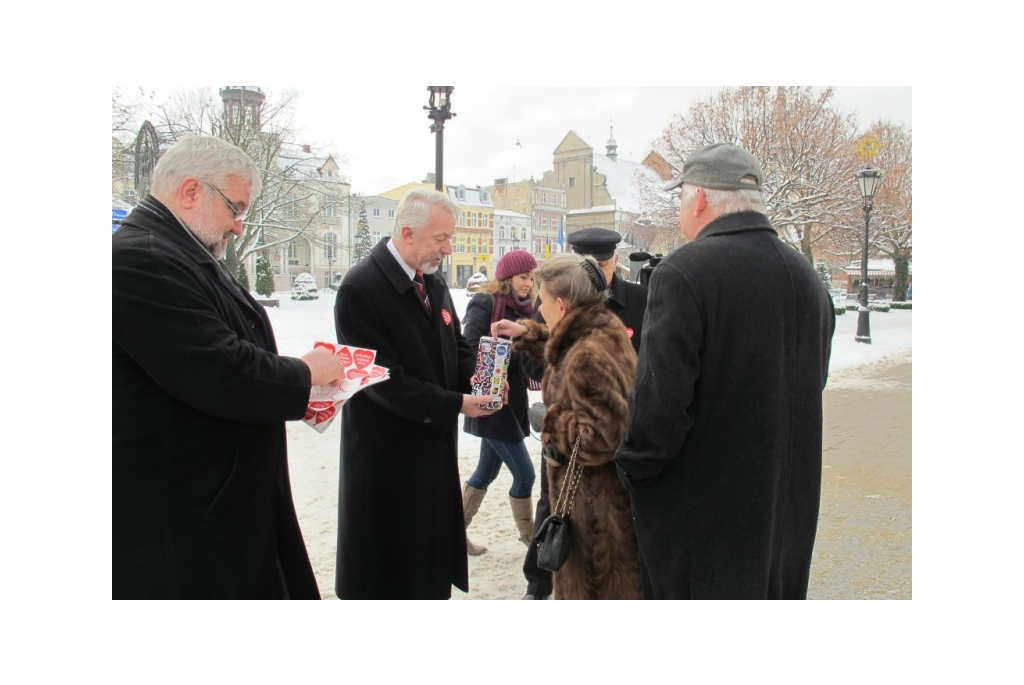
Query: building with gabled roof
[(602, 190)]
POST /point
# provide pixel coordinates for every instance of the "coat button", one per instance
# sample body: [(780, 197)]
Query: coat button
[(252, 324), (426, 420)]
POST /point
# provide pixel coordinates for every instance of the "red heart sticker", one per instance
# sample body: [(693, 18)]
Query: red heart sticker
[(629, 331), (320, 406), (363, 358), (309, 414), (327, 346), (324, 415), (346, 356), (355, 373), (377, 371), (446, 317)]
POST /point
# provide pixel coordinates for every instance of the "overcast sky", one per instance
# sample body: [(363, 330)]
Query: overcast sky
[(382, 138)]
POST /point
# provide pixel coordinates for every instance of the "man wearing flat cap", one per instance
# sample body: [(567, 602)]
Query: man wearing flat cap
[(722, 452), (626, 300)]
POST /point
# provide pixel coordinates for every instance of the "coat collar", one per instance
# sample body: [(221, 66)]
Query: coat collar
[(398, 276), (578, 323), (736, 222), (152, 215)]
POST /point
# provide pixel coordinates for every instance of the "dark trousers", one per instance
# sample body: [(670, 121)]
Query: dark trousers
[(538, 581)]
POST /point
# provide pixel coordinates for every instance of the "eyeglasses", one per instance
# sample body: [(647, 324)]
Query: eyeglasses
[(240, 215)]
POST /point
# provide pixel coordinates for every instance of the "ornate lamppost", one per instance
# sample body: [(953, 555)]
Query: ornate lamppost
[(439, 110), (867, 179)]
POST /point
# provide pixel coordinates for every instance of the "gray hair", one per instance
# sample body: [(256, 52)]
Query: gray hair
[(415, 208), (563, 275), (726, 201), (207, 158)]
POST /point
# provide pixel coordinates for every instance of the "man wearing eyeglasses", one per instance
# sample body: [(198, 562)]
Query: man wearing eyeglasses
[(201, 500)]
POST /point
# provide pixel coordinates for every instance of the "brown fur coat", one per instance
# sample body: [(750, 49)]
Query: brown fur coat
[(590, 364)]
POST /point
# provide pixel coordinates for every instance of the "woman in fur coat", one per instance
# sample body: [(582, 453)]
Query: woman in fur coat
[(590, 368)]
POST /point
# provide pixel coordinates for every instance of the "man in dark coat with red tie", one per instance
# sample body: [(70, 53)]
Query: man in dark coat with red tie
[(401, 532)]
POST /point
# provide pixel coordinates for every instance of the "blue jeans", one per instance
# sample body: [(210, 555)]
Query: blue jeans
[(515, 456)]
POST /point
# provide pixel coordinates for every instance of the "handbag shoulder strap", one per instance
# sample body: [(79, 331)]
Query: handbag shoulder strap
[(574, 472)]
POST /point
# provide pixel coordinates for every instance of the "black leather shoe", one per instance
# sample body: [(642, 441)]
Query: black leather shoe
[(529, 596)]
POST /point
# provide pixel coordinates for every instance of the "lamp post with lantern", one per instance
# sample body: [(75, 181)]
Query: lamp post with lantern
[(439, 110), (868, 178)]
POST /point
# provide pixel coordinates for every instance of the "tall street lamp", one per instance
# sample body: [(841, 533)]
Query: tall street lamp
[(868, 178), (439, 111)]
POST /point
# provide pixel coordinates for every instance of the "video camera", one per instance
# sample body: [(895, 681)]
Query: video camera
[(644, 275)]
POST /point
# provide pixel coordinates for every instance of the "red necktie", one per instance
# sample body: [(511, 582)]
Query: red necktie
[(421, 288)]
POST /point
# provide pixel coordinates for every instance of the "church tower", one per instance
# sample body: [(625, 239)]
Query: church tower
[(242, 107)]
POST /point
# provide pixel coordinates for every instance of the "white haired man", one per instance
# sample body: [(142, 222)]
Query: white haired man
[(722, 452), (202, 504), (401, 530)]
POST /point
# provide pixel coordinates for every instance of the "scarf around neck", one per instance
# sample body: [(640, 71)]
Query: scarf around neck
[(521, 306)]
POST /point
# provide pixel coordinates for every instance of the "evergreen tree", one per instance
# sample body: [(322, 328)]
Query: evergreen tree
[(264, 276), (823, 274), (243, 276), (363, 244)]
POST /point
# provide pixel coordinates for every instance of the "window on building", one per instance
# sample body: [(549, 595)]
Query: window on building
[(330, 245), (376, 237), (501, 232), (544, 198), (460, 243), (376, 212), (330, 205), (391, 214), (572, 181), (490, 221)]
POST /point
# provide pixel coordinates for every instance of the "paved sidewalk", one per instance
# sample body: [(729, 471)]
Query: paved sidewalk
[(863, 548)]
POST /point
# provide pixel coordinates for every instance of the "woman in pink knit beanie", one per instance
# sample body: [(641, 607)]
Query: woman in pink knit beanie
[(509, 296)]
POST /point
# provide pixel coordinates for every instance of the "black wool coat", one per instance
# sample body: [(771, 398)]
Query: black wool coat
[(201, 500), (510, 423), (401, 532), (628, 301), (722, 449)]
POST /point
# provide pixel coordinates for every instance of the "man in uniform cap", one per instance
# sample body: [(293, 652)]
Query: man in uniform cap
[(628, 301)]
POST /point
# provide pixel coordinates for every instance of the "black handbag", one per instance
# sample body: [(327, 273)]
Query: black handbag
[(554, 540), (555, 537)]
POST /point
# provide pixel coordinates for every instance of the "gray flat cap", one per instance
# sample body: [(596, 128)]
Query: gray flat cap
[(722, 166)]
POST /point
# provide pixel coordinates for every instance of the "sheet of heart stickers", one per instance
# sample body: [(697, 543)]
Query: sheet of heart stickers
[(325, 401)]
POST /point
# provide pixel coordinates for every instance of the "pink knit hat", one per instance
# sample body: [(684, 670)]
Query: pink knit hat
[(514, 263)]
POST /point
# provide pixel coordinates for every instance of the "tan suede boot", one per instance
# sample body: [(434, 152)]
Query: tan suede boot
[(471, 499), (522, 512)]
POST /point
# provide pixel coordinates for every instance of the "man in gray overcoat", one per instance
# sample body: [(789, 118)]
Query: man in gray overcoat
[(722, 452)]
